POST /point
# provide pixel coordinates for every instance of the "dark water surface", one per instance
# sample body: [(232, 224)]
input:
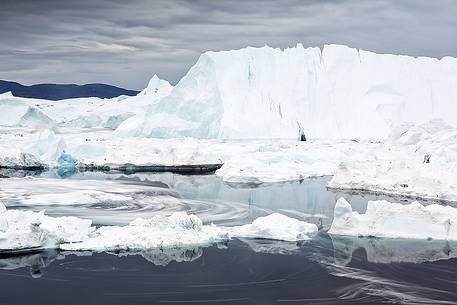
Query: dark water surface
[(325, 270), (231, 274)]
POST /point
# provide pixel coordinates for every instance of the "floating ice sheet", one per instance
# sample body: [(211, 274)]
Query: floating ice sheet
[(29, 230), (395, 220)]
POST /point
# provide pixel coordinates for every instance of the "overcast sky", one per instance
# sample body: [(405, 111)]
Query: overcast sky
[(124, 42)]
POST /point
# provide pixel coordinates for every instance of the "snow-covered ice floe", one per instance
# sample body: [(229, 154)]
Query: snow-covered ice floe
[(21, 230), (394, 220), (28, 230), (394, 166), (242, 161), (275, 226), (181, 230), (415, 160), (176, 230), (286, 161)]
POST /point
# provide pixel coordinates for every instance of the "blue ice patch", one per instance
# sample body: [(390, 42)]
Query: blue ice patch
[(66, 165)]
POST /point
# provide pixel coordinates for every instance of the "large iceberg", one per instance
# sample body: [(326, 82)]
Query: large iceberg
[(339, 92)]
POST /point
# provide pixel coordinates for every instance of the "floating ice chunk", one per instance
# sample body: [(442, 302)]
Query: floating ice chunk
[(175, 231), (66, 165), (277, 227), (26, 230), (181, 230), (65, 229), (395, 220), (21, 230), (66, 161)]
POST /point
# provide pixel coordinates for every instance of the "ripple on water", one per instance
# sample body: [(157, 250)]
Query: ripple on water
[(117, 198)]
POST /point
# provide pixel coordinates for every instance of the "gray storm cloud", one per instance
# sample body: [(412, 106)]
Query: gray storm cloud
[(126, 42)]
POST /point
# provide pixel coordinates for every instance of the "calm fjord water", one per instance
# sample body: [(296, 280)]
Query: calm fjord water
[(325, 270)]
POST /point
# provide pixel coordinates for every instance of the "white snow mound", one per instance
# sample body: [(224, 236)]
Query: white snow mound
[(395, 220)]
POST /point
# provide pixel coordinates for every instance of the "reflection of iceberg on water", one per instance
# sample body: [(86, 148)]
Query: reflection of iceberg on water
[(386, 251), (272, 246), (38, 261), (35, 261), (162, 257)]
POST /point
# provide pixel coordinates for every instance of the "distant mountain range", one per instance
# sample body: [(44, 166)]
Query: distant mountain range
[(63, 91)]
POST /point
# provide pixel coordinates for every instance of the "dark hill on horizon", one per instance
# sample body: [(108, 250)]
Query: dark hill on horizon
[(57, 92)]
